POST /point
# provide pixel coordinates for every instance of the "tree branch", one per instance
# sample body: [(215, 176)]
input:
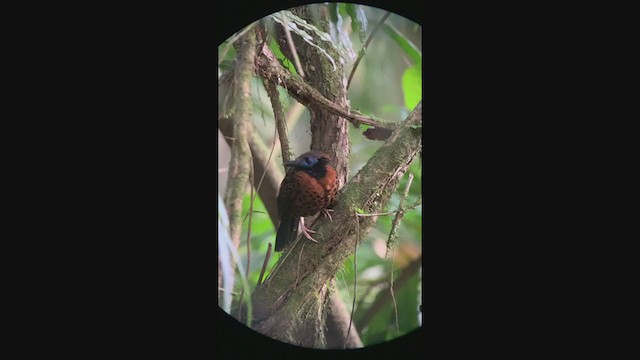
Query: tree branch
[(240, 155), (270, 69), (395, 224), (278, 116)]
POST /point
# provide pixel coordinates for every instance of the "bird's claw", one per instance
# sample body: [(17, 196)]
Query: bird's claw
[(327, 213), (306, 231)]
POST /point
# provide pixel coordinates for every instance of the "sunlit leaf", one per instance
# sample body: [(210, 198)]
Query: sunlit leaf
[(412, 86), (275, 48)]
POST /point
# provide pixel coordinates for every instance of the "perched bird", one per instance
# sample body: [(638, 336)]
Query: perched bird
[(310, 186)]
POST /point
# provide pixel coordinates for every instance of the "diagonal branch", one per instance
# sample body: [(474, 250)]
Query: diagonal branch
[(292, 47), (278, 116), (270, 69)]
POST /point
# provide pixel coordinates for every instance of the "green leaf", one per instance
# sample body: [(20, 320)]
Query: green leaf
[(275, 48), (358, 20), (409, 48), (412, 86), (342, 7)]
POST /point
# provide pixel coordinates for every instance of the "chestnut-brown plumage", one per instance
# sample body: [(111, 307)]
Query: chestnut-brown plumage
[(310, 186)]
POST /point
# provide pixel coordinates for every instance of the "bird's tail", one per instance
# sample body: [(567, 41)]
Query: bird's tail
[(286, 231)]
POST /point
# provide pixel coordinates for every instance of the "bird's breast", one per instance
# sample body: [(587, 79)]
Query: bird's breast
[(312, 195)]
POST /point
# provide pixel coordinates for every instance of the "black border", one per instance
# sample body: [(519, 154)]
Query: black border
[(115, 153)]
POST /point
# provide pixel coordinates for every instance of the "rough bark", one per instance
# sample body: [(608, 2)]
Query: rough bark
[(329, 131)]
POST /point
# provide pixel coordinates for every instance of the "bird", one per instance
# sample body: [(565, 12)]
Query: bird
[(310, 186)]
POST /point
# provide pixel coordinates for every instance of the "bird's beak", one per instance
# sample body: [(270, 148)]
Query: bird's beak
[(290, 163)]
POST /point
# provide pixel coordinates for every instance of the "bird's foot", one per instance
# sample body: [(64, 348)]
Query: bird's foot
[(327, 213), (306, 231)]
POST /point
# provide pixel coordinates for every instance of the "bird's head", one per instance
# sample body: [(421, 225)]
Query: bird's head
[(309, 160)]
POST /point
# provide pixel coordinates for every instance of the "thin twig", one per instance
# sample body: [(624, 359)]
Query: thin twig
[(393, 296), (292, 47), (415, 204), (418, 202), (378, 214), (278, 114), (355, 280), (241, 304), (393, 234), (250, 218), (364, 48), (264, 173), (264, 264)]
